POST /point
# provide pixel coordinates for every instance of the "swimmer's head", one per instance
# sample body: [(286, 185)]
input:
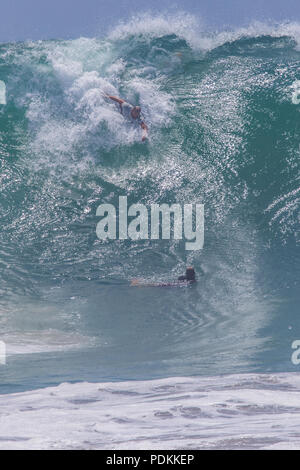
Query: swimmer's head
[(135, 112), (190, 274)]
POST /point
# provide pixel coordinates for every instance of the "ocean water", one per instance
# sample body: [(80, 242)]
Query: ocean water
[(223, 117)]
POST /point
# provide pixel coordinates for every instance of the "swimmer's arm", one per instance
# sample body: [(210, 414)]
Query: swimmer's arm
[(117, 100), (145, 131)]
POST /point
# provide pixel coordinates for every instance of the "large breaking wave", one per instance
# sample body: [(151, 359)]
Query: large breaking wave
[(223, 115)]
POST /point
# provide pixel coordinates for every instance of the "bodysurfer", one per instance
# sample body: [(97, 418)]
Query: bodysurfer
[(132, 113), (187, 279)]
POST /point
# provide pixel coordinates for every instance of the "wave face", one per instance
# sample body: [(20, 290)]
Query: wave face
[(223, 113)]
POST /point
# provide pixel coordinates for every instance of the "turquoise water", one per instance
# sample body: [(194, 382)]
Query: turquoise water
[(223, 118)]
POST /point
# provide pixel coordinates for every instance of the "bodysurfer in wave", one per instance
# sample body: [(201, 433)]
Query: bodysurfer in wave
[(132, 113), (182, 281)]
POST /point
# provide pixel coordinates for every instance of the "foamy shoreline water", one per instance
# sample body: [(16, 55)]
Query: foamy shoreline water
[(242, 411)]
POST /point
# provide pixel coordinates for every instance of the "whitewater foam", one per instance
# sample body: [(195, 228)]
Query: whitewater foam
[(194, 32), (229, 412)]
